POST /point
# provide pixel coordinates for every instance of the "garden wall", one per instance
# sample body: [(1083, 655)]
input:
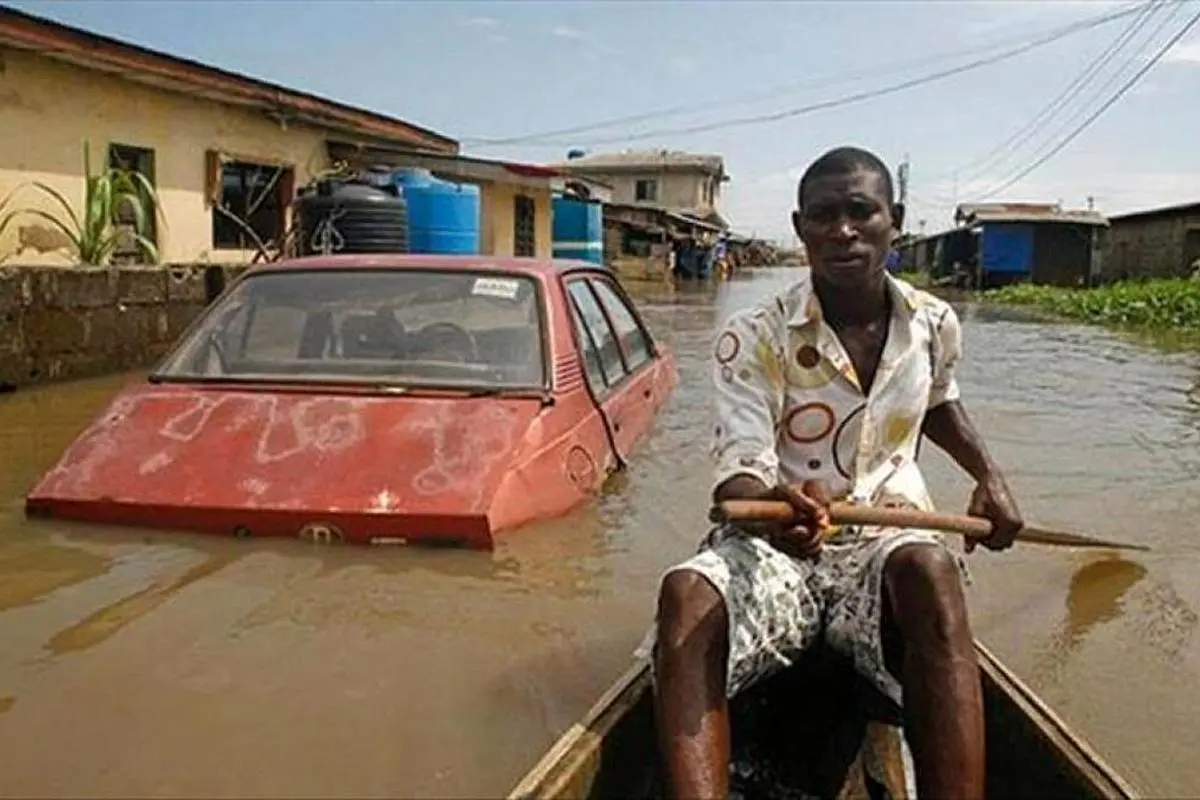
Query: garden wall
[(60, 323)]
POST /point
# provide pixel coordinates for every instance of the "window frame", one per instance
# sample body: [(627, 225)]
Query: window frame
[(116, 154), (651, 195), (523, 203), (627, 374), (596, 280), (283, 181)]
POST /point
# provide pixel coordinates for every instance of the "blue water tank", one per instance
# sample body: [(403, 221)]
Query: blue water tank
[(578, 229), (443, 217)]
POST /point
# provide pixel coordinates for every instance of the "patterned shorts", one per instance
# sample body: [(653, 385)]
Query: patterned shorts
[(779, 606)]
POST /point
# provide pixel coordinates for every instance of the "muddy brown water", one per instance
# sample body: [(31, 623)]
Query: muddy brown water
[(136, 664)]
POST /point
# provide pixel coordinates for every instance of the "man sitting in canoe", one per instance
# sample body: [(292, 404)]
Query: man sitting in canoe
[(830, 384)]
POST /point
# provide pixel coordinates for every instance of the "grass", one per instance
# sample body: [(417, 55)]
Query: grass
[(1161, 308), (917, 279)]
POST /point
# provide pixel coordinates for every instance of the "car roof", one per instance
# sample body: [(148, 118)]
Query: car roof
[(543, 268)]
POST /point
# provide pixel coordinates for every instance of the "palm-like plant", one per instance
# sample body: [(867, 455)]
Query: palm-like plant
[(100, 231)]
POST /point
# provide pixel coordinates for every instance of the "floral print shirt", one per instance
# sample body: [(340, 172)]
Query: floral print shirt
[(790, 408)]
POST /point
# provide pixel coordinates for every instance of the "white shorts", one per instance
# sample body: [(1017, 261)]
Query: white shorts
[(779, 606)]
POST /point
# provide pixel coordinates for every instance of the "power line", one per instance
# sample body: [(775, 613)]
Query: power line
[(978, 63), (1129, 84), (768, 93), (1059, 103)]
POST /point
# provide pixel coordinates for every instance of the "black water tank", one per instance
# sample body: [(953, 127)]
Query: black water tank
[(351, 217)]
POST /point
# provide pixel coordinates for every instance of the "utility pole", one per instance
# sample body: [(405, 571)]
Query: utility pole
[(902, 178)]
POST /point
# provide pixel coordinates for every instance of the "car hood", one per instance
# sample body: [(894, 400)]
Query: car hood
[(210, 447)]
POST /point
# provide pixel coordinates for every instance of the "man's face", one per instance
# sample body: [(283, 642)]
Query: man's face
[(846, 222)]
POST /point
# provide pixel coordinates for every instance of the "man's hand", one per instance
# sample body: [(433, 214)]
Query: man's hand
[(802, 537), (992, 500)]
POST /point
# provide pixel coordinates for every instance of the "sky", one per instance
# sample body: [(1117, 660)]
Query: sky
[(500, 69)]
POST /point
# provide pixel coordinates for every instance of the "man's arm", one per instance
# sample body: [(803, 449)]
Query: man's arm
[(947, 425), (748, 382)]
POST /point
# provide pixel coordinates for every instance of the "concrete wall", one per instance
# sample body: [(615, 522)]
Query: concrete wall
[(58, 323), (49, 109), (1152, 246), (496, 234)]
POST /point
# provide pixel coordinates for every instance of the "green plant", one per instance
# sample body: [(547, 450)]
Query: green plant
[(96, 235), (1162, 304)]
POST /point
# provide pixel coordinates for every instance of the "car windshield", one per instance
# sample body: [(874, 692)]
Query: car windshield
[(452, 328)]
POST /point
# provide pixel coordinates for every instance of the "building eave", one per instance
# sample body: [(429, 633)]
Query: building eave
[(53, 40)]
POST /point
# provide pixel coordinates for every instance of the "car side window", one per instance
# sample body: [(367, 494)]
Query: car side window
[(602, 332), (591, 356), (632, 338)]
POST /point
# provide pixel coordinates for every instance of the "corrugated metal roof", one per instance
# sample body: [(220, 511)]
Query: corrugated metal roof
[(975, 213), (1161, 211), (640, 159)]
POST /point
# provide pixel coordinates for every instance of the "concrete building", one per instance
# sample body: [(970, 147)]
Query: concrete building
[(684, 183), (204, 136), (1160, 242)]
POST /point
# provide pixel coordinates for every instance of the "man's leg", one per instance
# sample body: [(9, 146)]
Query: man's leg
[(691, 709), (928, 644), (740, 594)]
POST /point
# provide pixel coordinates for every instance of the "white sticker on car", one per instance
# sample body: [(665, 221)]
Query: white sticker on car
[(505, 288)]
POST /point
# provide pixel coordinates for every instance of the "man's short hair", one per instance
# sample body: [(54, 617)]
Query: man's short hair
[(841, 160)]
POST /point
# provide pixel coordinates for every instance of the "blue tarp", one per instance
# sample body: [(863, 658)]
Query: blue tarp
[(1007, 248)]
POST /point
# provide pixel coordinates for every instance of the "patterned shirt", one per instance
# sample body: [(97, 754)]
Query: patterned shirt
[(790, 408)]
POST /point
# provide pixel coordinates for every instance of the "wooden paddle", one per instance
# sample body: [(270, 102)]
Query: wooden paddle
[(848, 514)]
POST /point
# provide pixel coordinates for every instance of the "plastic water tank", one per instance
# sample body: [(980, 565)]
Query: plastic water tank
[(351, 217), (443, 217), (578, 229)]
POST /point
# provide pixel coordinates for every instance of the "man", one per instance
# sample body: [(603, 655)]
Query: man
[(831, 383)]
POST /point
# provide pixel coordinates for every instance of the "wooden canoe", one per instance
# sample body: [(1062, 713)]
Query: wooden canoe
[(611, 752)]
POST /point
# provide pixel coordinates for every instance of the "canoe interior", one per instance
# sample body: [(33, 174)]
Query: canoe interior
[(799, 734)]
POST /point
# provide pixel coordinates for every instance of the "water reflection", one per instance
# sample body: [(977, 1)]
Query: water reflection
[(139, 663)]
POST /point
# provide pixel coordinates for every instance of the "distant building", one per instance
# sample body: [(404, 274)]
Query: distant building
[(204, 136), (683, 183), (1000, 243), (1160, 242)]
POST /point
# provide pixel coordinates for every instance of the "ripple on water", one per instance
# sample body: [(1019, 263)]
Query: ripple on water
[(445, 674)]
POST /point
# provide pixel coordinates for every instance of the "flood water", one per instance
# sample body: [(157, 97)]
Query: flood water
[(138, 664)]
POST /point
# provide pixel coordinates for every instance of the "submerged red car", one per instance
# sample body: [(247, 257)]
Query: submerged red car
[(376, 399)]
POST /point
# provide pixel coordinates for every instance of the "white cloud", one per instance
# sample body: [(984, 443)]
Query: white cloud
[(996, 17), (1185, 52), (683, 66), (1112, 193), (482, 22), (497, 38), (567, 32), (763, 204)]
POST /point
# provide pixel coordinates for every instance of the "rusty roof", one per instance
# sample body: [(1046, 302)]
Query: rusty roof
[(151, 67), (1027, 212), (633, 160)]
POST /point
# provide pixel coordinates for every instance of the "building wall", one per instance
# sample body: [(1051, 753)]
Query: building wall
[(49, 110), (1152, 246), (62, 323), (496, 232), (677, 190)]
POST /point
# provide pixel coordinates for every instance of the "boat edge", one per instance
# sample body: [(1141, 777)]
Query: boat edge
[(563, 763), (1081, 756)]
